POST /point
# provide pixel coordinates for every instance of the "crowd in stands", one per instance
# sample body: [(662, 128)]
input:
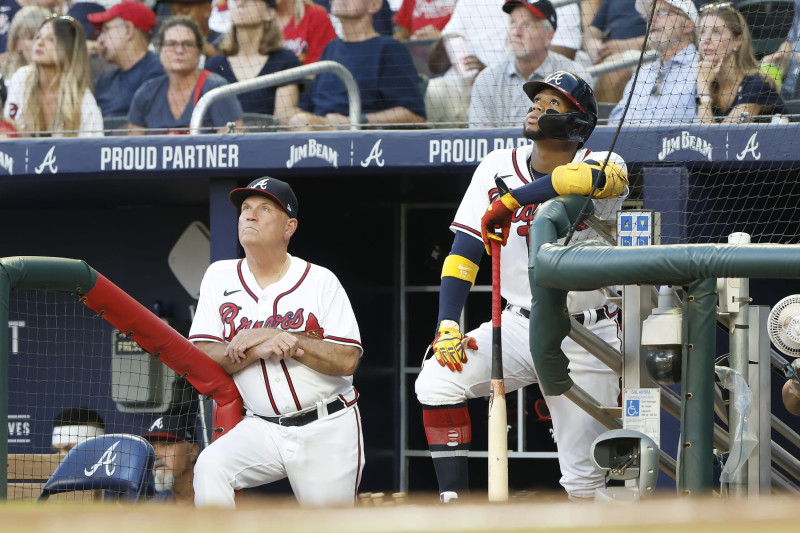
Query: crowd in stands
[(68, 65)]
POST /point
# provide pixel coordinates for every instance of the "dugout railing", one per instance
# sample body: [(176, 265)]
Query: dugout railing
[(117, 308)]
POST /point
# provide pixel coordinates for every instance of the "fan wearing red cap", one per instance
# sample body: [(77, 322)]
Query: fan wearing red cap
[(285, 330), (125, 31)]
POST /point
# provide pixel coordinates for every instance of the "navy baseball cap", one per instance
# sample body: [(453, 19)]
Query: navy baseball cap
[(81, 12), (271, 188), (541, 9), (171, 428)]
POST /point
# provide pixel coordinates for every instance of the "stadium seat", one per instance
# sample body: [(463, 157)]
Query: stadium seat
[(119, 465), (260, 122), (115, 126)]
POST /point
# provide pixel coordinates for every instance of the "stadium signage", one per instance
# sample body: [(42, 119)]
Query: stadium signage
[(751, 148), (468, 150), (169, 157), (312, 148), (7, 162), (685, 141)]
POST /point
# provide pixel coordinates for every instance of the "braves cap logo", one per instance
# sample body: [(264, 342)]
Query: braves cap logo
[(262, 184), (555, 78), (158, 424)]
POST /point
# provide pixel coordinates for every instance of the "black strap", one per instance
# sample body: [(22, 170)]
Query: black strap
[(303, 418), (579, 317)]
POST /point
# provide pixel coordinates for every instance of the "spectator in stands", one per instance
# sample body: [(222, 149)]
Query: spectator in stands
[(473, 39), (307, 29), (731, 87), (611, 34), (52, 95), (422, 19), (254, 47), (165, 104), (81, 11), (125, 32), (665, 89), (9, 10), (20, 38), (73, 426), (386, 76), (200, 11), (382, 21), (788, 57), (173, 440), (496, 99)]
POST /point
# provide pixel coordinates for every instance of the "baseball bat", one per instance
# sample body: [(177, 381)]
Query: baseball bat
[(498, 433)]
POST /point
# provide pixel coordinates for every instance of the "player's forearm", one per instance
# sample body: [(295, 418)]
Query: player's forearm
[(394, 115), (453, 291), (327, 357), (216, 351)]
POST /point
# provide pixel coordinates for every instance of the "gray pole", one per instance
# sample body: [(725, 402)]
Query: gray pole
[(739, 332)]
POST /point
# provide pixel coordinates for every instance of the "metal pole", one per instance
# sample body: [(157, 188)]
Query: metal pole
[(739, 358)]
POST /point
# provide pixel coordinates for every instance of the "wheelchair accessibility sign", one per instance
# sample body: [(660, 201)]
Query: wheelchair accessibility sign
[(641, 411)]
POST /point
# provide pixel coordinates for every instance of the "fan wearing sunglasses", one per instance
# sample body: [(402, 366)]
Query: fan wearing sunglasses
[(52, 95), (731, 88)]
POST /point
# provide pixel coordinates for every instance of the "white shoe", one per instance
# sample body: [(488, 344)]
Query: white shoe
[(448, 496)]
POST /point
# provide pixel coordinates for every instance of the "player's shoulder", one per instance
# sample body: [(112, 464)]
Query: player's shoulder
[(505, 158), (588, 155), (224, 265)]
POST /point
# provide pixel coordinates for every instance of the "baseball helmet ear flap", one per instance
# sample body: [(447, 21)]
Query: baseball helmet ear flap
[(575, 125)]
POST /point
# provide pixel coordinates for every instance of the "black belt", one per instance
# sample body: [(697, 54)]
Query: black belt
[(302, 419), (579, 317)]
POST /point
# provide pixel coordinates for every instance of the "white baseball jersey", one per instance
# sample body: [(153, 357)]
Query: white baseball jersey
[(512, 166), (308, 299)]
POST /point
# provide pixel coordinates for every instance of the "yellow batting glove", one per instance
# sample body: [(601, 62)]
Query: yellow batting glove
[(448, 346)]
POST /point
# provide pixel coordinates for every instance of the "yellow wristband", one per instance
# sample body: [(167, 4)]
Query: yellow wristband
[(456, 266), (510, 202)]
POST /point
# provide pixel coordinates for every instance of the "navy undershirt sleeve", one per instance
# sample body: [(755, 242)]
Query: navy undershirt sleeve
[(535, 192), (453, 292)]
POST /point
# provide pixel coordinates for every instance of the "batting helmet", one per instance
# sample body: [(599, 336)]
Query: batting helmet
[(561, 126)]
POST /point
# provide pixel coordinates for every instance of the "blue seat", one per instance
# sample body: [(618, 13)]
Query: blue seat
[(119, 465)]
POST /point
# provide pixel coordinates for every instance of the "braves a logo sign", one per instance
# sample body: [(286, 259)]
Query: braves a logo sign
[(106, 460)]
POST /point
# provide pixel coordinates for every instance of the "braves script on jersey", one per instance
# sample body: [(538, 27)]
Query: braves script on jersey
[(512, 166), (308, 300)]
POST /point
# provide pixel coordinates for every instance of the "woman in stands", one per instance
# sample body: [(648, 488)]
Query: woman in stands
[(254, 47), (23, 28), (52, 95), (164, 104), (307, 28), (731, 88)]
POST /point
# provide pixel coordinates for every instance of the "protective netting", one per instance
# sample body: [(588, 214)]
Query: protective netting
[(74, 378)]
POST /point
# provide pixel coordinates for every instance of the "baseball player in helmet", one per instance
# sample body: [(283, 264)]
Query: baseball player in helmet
[(285, 330), (504, 192)]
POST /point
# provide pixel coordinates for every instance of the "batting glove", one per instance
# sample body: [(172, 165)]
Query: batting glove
[(448, 346), (498, 216)]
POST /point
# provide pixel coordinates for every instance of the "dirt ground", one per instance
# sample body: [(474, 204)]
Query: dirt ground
[(388, 515)]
